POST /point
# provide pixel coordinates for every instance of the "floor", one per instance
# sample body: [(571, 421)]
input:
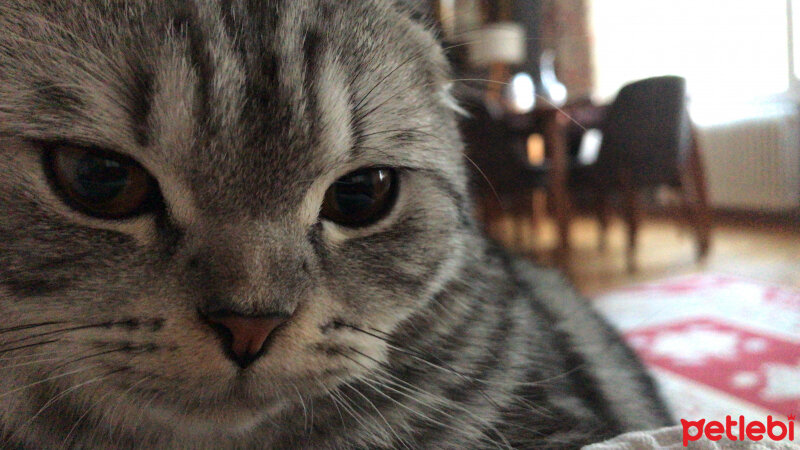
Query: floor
[(769, 253)]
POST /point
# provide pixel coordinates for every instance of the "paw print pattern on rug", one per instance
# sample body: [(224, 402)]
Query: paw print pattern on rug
[(748, 364)]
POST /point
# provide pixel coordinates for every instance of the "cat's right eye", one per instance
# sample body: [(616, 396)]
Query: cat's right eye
[(100, 183)]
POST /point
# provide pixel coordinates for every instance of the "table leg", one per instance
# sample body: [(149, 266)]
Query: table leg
[(555, 143)]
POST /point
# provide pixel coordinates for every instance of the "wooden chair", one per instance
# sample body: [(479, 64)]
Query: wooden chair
[(648, 141), (503, 178)]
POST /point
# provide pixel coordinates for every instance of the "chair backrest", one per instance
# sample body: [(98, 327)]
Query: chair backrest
[(647, 131)]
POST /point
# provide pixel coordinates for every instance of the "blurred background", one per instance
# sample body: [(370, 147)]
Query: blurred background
[(738, 173), (650, 150)]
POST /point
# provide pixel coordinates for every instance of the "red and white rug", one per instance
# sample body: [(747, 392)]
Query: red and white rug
[(717, 345)]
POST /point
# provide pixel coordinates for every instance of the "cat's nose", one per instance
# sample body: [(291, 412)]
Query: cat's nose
[(245, 335)]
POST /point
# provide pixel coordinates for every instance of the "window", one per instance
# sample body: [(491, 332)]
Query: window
[(731, 52)]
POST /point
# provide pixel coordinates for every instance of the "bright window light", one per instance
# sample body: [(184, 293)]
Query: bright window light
[(730, 51)]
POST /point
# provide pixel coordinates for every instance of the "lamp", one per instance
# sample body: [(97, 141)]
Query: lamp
[(497, 46), (497, 43)]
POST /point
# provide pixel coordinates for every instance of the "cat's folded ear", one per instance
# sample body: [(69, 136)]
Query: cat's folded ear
[(419, 10), (422, 12)]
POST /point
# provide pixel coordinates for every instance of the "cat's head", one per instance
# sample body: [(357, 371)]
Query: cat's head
[(181, 179)]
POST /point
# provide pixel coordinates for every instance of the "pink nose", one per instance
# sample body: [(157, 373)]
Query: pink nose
[(245, 335)]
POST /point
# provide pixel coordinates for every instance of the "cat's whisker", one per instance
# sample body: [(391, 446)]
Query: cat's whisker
[(435, 366), (410, 389), (418, 354), (335, 403), (44, 22), (96, 78), (48, 379), (128, 322), (360, 116), (410, 352), (21, 347), (65, 443), (381, 385), (311, 414), (30, 363), (29, 326), (350, 408), (426, 394), (378, 411), (31, 355), (465, 377), (61, 395), (48, 333), (303, 404), (121, 397), (502, 384), (61, 357), (407, 131), (421, 357), (387, 371), (407, 391), (416, 56), (145, 405), (93, 355), (485, 178), (499, 384)]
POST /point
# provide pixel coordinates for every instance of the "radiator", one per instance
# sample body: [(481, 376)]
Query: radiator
[(753, 164)]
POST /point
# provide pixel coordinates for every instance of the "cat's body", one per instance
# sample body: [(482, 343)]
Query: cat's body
[(409, 331)]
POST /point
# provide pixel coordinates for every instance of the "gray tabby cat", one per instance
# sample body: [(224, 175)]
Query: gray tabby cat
[(245, 224)]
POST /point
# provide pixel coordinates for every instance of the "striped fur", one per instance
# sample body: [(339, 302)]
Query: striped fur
[(414, 332)]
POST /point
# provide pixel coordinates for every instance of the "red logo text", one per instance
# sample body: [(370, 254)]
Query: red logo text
[(738, 430)]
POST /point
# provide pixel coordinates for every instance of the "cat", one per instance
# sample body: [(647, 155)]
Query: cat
[(246, 224)]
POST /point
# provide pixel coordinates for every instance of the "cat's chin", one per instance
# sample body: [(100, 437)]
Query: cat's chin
[(216, 419), (199, 416), (223, 407)]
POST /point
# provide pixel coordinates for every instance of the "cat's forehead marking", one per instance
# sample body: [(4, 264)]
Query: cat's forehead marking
[(274, 113)]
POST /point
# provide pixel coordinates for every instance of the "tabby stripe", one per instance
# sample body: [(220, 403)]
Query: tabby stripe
[(140, 94), (577, 368), (313, 51), (186, 21)]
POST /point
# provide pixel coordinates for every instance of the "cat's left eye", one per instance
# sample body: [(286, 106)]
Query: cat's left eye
[(100, 183), (361, 198)]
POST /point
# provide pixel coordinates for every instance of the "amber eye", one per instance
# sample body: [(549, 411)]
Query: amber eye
[(360, 198), (99, 183)]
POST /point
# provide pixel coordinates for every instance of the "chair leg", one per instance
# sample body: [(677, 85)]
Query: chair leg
[(520, 226), (603, 214), (492, 215), (521, 216), (630, 200), (539, 210), (695, 194)]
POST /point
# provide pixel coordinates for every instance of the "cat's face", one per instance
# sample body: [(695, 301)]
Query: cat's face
[(163, 161)]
